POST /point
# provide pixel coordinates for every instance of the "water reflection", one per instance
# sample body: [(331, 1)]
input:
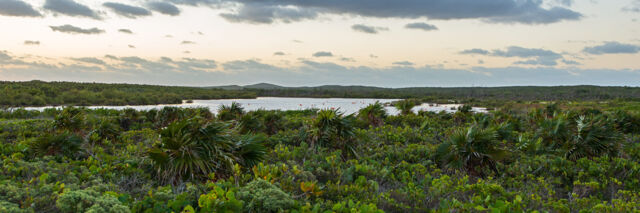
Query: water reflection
[(347, 105)]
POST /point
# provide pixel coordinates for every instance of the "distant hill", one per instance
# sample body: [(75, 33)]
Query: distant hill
[(263, 86), (252, 86)]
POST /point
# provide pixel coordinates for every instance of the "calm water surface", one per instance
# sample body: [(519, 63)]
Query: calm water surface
[(347, 105)]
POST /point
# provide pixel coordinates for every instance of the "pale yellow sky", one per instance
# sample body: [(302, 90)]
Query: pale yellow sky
[(224, 41)]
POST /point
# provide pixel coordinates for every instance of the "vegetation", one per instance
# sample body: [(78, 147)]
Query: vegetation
[(39, 93), (519, 157), (444, 95)]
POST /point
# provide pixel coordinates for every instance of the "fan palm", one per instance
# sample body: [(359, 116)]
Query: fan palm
[(373, 114), (554, 131), (405, 106), (191, 149), (250, 123), (65, 144), (471, 149), (230, 112), (249, 150), (593, 136), (331, 128), (70, 118)]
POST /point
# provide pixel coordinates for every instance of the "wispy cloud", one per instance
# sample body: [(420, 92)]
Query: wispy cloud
[(612, 47), (127, 10), (29, 42), (75, 30), (421, 26), (17, 8), (368, 29), (70, 8), (164, 8), (322, 54)]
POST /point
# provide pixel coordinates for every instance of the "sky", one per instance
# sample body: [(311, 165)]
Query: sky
[(386, 43)]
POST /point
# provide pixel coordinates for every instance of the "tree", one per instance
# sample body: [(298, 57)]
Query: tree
[(471, 149)]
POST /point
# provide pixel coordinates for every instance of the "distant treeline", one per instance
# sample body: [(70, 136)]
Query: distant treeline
[(39, 93), (468, 94)]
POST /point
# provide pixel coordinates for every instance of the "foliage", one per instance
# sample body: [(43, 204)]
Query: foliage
[(262, 196), (405, 106), (520, 157), (374, 114), (39, 93), (471, 149)]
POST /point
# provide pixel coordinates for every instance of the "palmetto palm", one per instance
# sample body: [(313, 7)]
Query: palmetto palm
[(250, 123), (249, 150), (230, 112), (191, 149), (554, 131), (593, 136), (66, 144), (471, 149), (374, 114), (332, 128), (405, 106)]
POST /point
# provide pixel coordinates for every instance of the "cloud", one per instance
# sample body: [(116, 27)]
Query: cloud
[(28, 42), (17, 8), (403, 63), (565, 2), (4, 56), (612, 47), (421, 26), (70, 8), (279, 53), (633, 7), (131, 46), (347, 59), (323, 54), (187, 42), (265, 13), (534, 56), (475, 51), (164, 8), (538, 16), (368, 29), (90, 60), (75, 30), (495, 11), (570, 62), (127, 31), (205, 72), (127, 10)]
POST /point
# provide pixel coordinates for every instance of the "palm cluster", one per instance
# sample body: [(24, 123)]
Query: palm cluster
[(192, 149), (405, 106), (471, 149), (373, 114), (332, 128)]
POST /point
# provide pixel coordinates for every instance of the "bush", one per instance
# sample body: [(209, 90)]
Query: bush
[(89, 201), (262, 196)]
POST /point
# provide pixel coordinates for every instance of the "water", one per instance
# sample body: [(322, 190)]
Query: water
[(346, 105)]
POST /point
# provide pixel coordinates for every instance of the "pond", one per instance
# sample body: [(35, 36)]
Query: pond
[(346, 105)]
